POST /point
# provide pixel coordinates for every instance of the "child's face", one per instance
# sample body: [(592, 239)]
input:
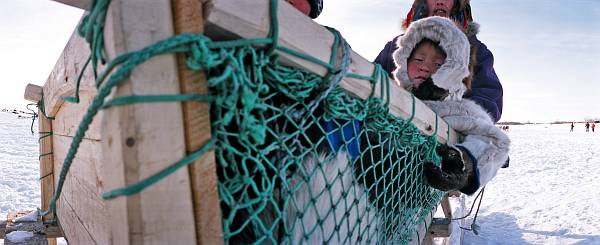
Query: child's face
[(440, 7), (423, 63)]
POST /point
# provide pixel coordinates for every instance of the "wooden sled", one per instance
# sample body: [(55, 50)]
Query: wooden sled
[(127, 143)]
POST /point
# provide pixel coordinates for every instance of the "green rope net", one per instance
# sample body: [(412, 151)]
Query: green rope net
[(281, 179)]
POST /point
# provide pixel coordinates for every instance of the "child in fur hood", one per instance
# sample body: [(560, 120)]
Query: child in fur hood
[(486, 88), (432, 60)]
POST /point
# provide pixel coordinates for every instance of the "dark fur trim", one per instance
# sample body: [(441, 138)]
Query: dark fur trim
[(316, 6), (472, 29), (472, 184), (472, 62)]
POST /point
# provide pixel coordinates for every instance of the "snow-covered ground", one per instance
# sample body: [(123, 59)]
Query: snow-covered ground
[(19, 167), (550, 194)]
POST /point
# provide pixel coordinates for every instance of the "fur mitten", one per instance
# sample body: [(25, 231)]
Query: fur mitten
[(428, 91), (456, 172)]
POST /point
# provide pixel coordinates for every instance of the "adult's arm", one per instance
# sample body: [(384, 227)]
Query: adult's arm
[(486, 89), (386, 57)]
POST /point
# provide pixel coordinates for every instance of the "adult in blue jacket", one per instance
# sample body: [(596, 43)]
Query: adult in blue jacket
[(486, 89)]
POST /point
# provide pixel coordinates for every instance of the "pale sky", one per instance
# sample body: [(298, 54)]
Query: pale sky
[(546, 51), (33, 34)]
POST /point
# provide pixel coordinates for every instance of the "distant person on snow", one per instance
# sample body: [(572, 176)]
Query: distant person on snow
[(572, 126), (587, 126), (593, 126), (433, 62)]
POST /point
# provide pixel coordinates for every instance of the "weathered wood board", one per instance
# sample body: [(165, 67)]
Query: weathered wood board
[(203, 172), (142, 139), (131, 132), (231, 19), (81, 210)]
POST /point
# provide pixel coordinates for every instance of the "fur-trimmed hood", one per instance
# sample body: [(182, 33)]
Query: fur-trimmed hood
[(472, 29), (451, 39)]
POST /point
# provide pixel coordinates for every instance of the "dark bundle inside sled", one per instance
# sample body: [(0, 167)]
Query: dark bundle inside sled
[(254, 173)]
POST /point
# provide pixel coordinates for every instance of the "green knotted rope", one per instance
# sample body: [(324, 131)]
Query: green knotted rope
[(259, 157), (33, 116), (42, 134), (92, 30), (75, 99), (126, 62), (135, 188)]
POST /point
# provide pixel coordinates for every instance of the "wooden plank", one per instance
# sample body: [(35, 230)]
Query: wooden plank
[(86, 166), (187, 15), (61, 81), (67, 121), (46, 164), (445, 230), (72, 227), (441, 227), (142, 139), (81, 211), (445, 234), (53, 231), (229, 19), (82, 4), (445, 204), (33, 92)]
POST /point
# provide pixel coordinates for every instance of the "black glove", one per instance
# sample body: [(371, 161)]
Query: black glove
[(428, 91), (456, 172)]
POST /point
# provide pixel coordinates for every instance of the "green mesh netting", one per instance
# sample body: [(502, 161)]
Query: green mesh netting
[(279, 182), (281, 179)]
